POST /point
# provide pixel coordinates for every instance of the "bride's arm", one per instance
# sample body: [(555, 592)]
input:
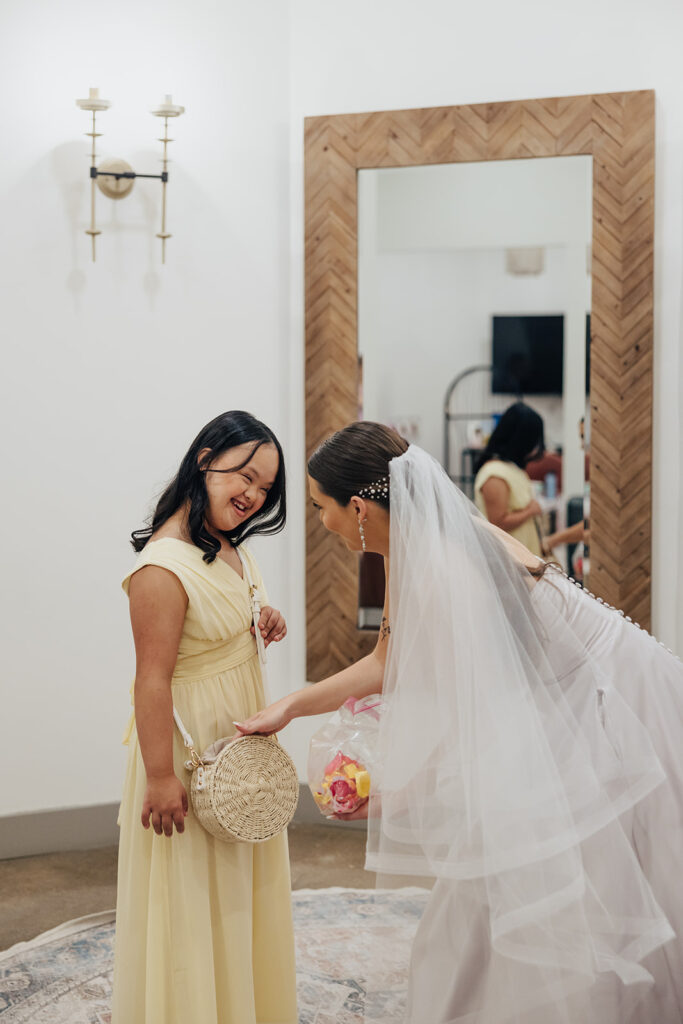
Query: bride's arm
[(358, 680)]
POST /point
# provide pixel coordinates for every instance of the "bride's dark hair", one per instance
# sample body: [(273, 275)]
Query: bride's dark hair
[(354, 458), (229, 430)]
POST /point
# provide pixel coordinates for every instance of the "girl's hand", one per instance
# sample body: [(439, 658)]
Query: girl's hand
[(273, 718), (272, 625), (165, 805)]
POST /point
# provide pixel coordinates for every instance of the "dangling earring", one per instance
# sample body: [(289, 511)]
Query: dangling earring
[(362, 534)]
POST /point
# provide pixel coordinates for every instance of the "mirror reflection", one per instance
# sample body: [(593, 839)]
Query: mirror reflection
[(473, 338)]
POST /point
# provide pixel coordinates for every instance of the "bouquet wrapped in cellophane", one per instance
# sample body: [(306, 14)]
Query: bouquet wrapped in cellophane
[(341, 760)]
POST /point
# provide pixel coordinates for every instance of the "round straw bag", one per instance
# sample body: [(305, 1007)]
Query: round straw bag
[(248, 793), (244, 789)]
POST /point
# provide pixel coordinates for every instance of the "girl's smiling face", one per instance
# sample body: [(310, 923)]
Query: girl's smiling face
[(237, 494)]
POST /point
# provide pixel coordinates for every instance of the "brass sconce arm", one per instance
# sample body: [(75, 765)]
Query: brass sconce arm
[(95, 173)]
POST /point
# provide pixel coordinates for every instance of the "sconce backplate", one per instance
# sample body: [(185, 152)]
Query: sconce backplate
[(115, 188)]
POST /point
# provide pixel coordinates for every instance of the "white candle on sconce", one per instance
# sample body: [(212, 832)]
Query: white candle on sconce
[(167, 108), (94, 101)]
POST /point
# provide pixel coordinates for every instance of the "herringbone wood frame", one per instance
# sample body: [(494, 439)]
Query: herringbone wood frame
[(617, 129)]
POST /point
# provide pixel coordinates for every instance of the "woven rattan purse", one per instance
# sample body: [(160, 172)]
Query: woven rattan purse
[(243, 789)]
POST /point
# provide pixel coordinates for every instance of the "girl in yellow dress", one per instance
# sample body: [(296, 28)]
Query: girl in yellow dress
[(204, 927)]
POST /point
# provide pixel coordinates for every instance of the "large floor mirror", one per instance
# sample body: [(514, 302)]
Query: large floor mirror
[(457, 260)]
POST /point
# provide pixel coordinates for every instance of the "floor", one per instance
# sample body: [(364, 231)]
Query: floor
[(38, 893)]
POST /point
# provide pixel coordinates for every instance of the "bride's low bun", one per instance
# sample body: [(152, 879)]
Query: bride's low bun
[(355, 458)]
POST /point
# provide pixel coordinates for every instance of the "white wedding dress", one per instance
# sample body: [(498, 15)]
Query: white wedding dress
[(532, 763)]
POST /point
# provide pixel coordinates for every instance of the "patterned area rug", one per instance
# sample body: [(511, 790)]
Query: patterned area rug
[(64, 976)]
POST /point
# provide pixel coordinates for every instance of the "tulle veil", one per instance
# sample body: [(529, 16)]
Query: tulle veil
[(507, 760)]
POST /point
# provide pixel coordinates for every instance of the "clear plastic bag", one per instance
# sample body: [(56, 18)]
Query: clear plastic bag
[(342, 758)]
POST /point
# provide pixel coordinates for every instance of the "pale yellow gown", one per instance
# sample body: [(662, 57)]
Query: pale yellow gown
[(204, 928), (521, 493)]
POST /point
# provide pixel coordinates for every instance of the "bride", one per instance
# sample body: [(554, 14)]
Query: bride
[(530, 759)]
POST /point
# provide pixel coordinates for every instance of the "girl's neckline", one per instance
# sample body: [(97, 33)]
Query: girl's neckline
[(187, 544)]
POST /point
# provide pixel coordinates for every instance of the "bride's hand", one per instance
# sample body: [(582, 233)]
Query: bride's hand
[(360, 814), (273, 718)]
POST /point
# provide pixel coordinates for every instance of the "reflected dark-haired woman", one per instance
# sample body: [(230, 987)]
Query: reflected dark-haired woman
[(204, 929), (528, 758), (502, 488)]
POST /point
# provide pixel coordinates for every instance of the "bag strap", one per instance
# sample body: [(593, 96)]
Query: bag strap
[(187, 739), (255, 600)]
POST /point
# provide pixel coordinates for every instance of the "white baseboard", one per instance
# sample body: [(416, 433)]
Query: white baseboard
[(68, 828), (88, 828)]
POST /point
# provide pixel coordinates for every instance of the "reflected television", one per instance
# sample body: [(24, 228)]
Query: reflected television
[(527, 355)]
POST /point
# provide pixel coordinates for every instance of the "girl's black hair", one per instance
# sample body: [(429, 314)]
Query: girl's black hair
[(518, 437), (354, 458), (229, 430)]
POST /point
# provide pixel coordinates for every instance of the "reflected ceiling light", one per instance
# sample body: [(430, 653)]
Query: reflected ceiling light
[(114, 177), (525, 261)]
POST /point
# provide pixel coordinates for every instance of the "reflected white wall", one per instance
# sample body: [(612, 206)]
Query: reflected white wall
[(432, 274)]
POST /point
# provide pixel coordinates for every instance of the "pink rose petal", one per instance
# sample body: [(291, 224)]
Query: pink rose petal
[(335, 764)]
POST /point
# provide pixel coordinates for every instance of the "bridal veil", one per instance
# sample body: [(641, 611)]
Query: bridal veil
[(508, 762)]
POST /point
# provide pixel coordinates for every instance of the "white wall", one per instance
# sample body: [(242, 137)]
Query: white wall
[(112, 367)]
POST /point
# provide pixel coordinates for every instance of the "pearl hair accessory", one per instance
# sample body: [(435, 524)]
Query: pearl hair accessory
[(380, 489)]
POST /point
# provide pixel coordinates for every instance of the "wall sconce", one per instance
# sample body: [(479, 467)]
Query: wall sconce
[(115, 178)]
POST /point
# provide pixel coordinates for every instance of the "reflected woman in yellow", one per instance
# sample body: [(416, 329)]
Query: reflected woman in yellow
[(502, 488)]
